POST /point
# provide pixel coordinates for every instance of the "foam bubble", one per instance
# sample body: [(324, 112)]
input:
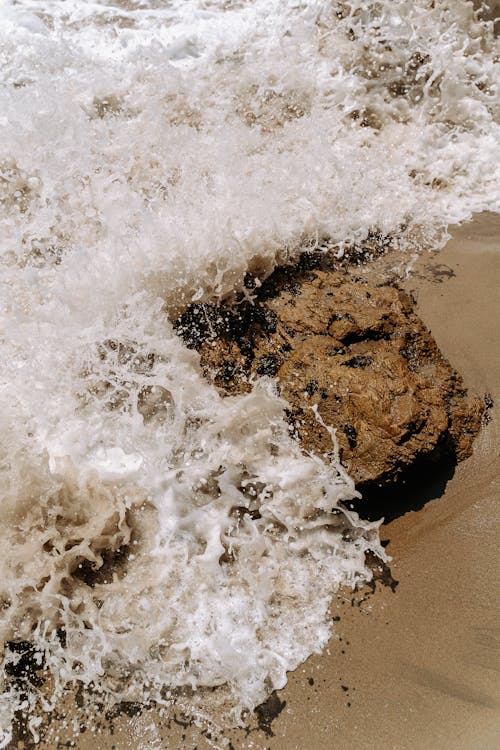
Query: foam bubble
[(156, 533)]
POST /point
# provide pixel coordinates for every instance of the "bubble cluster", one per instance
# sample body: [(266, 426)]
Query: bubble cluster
[(154, 533)]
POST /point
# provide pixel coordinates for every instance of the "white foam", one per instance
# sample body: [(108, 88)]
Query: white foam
[(154, 153)]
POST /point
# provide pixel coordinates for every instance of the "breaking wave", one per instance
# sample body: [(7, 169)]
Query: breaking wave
[(155, 534)]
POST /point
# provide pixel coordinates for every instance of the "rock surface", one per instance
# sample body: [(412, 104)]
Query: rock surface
[(354, 348)]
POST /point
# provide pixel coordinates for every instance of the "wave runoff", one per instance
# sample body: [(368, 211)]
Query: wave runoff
[(156, 535)]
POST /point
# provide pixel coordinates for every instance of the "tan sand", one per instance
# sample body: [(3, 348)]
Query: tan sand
[(422, 665), (417, 669)]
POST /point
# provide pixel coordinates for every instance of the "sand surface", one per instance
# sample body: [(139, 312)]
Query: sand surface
[(418, 668), (422, 665)]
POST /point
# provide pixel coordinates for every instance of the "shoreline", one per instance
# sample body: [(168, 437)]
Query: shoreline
[(422, 664), (414, 669)]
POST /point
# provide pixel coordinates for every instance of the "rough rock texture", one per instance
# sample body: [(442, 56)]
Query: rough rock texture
[(358, 351)]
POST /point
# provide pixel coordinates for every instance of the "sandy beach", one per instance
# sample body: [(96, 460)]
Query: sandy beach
[(422, 664), (415, 668)]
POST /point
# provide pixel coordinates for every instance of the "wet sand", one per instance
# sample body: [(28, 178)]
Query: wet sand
[(418, 668), (423, 664)]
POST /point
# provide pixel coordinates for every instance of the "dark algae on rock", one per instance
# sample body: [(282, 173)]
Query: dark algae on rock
[(355, 349)]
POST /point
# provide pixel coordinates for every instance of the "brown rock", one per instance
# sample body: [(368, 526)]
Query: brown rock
[(355, 349)]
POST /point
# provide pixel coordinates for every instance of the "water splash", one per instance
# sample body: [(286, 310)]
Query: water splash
[(157, 534)]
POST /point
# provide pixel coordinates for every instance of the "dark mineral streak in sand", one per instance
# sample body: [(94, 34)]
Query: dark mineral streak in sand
[(268, 711)]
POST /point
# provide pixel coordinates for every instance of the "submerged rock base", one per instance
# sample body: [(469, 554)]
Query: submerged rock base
[(354, 348)]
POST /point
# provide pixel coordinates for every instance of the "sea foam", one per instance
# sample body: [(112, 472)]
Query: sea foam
[(154, 533)]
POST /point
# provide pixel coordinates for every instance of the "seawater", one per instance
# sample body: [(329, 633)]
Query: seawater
[(156, 535)]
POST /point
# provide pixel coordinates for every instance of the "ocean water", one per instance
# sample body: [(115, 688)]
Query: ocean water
[(156, 535)]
